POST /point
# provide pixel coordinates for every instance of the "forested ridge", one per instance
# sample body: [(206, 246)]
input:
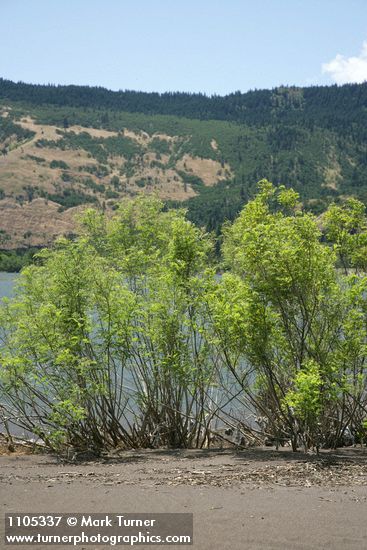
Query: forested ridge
[(328, 106)]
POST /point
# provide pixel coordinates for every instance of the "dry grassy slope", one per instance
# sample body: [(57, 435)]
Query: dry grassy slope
[(35, 223), (29, 219)]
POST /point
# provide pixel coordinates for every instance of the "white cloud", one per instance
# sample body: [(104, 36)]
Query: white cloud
[(348, 69)]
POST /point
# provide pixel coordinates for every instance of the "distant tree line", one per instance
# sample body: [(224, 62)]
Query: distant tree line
[(326, 106)]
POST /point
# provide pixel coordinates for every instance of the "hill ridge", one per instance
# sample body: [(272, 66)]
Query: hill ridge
[(203, 153)]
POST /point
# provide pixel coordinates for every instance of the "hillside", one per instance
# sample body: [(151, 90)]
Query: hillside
[(65, 147)]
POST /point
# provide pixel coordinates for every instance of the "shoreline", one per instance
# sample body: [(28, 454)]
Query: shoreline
[(258, 466), (256, 498)]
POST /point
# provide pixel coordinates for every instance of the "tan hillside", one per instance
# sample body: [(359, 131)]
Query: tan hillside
[(46, 178), (207, 169), (34, 223)]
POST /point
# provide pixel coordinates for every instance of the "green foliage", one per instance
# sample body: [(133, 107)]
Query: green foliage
[(104, 342), (10, 130), (39, 160), (69, 197), (346, 228), (96, 187), (59, 164), (142, 182), (125, 335), (306, 398), (292, 317), (115, 182), (13, 261), (109, 194), (99, 148), (160, 146), (100, 170), (67, 177), (196, 182)]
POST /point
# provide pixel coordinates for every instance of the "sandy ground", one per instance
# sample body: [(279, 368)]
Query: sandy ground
[(251, 499)]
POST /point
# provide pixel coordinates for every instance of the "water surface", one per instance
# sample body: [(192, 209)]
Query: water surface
[(7, 282)]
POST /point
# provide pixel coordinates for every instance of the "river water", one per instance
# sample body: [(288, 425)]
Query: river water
[(7, 281)]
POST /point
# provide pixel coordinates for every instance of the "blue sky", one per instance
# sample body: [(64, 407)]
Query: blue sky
[(212, 46)]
